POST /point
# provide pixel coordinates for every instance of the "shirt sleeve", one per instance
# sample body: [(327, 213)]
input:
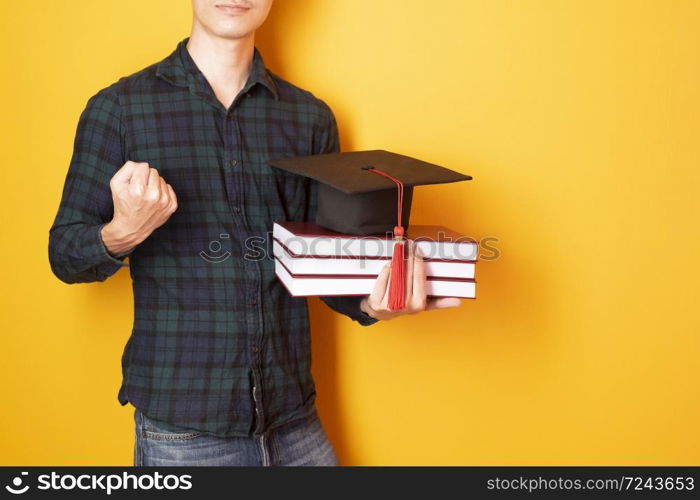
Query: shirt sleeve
[(77, 253), (327, 140)]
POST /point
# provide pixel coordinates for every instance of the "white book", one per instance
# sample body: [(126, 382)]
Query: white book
[(305, 264), (327, 285), (310, 239)]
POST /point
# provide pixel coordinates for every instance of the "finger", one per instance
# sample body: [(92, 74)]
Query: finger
[(164, 193), (419, 293), (152, 186), (123, 175), (139, 178), (173, 198), (153, 179), (384, 304), (442, 303), (140, 174), (380, 286)]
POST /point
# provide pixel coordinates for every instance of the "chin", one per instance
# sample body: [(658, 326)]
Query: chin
[(232, 32)]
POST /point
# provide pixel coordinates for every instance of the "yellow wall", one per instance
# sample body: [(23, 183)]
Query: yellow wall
[(579, 123)]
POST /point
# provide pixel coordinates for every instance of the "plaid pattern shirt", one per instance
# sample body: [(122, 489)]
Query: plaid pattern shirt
[(218, 345)]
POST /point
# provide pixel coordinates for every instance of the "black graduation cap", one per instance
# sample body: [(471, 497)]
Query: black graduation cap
[(366, 192)]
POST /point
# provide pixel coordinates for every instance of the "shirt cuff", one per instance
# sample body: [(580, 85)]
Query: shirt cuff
[(350, 306), (365, 319)]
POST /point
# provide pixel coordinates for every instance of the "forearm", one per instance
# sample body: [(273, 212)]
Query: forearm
[(118, 241), (78, 255)]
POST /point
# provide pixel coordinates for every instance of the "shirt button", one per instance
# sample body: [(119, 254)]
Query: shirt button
[(228, 114), (237, 209), (232, 163), (253, 301), (256, 349)]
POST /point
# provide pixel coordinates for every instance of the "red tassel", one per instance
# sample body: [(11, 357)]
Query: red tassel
[(397, 281)]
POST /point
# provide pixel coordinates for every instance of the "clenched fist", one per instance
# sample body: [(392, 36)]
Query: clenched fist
[(143, 201)]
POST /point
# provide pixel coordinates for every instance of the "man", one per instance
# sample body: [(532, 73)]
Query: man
[(170, 168)]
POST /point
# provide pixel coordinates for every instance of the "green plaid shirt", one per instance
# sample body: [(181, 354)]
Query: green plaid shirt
[(218, 345)]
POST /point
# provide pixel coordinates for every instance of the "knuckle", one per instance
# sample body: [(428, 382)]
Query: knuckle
[(151, 195)]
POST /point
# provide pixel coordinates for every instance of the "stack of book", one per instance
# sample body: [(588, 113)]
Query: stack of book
[(313, 261)]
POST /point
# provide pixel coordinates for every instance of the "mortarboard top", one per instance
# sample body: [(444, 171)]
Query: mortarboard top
[(354, 200)]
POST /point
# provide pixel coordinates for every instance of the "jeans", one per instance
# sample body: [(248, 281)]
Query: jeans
[(300, 442)]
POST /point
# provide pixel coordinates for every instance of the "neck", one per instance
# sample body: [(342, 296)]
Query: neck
[(226, 63)]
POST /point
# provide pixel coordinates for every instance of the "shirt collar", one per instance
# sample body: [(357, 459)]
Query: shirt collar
[(180, 69)]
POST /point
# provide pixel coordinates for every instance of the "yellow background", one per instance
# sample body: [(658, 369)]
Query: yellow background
[(579, 123)]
